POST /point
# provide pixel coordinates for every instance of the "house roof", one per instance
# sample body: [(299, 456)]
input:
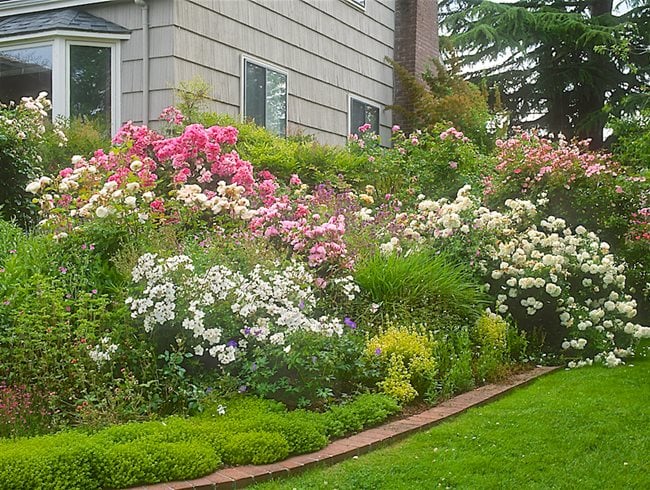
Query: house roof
[(69, 19)]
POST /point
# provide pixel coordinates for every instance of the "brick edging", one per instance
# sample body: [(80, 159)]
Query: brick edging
[(341, 449)]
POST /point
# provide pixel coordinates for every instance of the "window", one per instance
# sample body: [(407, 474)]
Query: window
[(81, 76), (265, 96), (362, 112), (25, 71), (90, 82)]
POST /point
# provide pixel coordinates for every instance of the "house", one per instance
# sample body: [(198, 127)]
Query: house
[(315, 67)]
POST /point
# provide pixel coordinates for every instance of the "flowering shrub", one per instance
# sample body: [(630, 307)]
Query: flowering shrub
[(22, 127), (233, 311), (541, 265), (148, 176), (584, 187), (435, 162)]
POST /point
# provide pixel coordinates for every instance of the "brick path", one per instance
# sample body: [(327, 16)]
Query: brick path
[(339, 450)]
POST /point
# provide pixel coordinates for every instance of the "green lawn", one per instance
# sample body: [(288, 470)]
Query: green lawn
[(581, 429)]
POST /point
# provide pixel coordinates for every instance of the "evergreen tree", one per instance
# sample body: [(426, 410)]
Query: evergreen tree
[(562, 65)]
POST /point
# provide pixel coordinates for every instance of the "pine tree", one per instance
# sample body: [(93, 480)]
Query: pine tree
[(562, 65)]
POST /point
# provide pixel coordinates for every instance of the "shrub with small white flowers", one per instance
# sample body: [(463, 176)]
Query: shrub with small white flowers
[(224, 311), (537, 265)]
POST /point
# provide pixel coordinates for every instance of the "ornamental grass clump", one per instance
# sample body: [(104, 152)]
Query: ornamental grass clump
[(416, 286)]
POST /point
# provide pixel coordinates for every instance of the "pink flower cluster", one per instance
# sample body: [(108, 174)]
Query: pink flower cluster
[(528, 159), (197, 155), (293, 223), (455, 134)]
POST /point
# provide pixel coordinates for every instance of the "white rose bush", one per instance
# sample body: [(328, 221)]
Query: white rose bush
[(541, 271)]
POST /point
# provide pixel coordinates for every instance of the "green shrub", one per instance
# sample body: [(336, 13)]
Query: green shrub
[(84, 137), (64, 461), (445, 96), (255, 447), (417, 286), (317, 369), (454, 356), (10, 236), (125, 465), (364, 411)]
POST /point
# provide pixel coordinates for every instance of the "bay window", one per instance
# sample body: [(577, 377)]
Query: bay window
[(81, 75)]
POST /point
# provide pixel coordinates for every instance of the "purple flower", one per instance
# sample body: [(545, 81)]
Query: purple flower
[(254, 366), (350, 323), (301, 305), (94, 291), (247, 331), (242, 389), (377, 351), (231, 343), (63, 270)]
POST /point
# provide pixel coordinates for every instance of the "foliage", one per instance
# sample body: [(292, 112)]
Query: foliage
[(443, 97), (21, 129), (416, 286), (436, 161), (361, 412), (315, 371), (631, 135), (556, 61), (82, 137)]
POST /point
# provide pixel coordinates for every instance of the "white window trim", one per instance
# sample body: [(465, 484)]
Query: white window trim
[(60, 42), (352, 97), (360, 7), (242, 84)]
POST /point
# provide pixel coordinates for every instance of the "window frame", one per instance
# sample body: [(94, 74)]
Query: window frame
[(358, 5), (365, 101), (267, 66), (60, 41)]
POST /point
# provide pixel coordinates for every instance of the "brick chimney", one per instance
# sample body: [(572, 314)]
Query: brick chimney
[(416, 41)]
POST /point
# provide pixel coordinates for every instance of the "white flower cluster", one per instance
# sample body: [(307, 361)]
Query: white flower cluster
[(227, 198), (102, 352), (549, 264), (267, 304)]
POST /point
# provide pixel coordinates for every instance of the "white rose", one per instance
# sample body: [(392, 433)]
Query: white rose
[(130, 201), (33, 187), (102, 212)]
